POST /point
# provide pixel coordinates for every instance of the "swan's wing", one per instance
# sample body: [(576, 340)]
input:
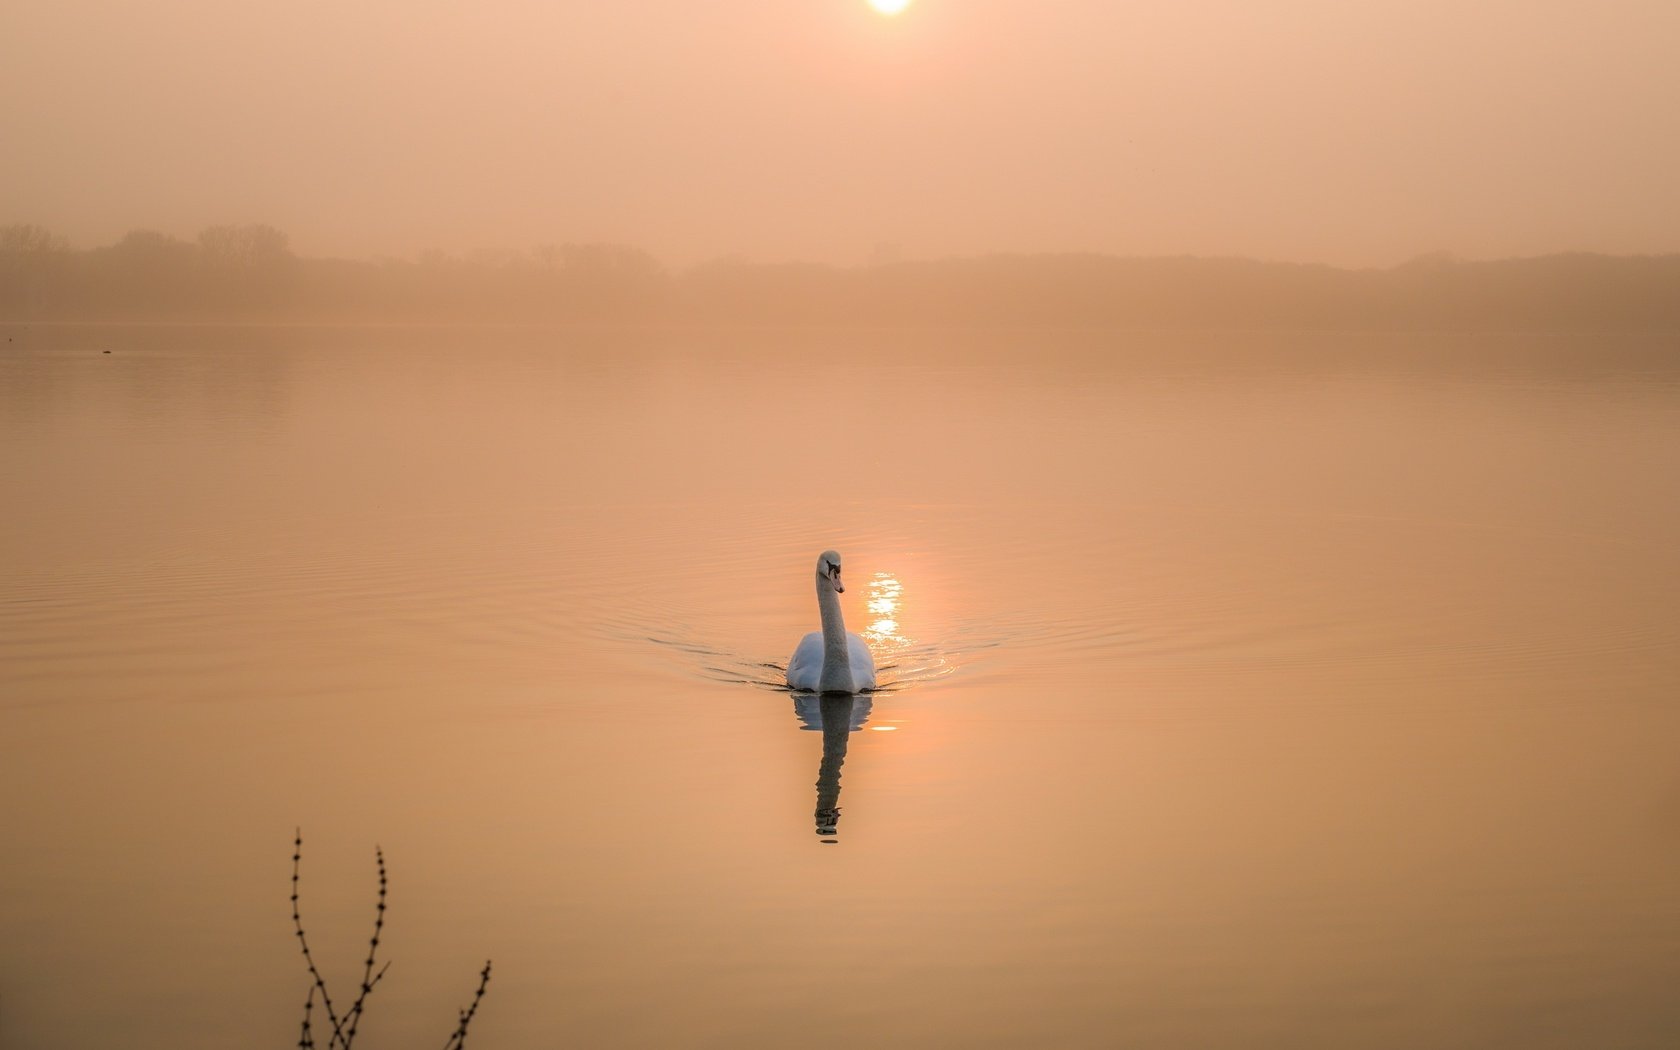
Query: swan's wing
[(862, 661), (805, 665)]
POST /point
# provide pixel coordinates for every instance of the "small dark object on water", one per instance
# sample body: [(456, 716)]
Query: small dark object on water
[(104, 351)]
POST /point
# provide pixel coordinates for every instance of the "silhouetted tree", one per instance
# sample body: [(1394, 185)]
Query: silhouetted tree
[(32, 264), (147, 273), (250, 272), (247, 266), (244, 248)]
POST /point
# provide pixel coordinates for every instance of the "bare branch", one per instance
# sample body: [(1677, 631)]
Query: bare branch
[(303, 942), (458, 1040), (306, 1038), (344, 1030), (369, 977)]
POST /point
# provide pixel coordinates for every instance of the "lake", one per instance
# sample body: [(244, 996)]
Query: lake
[(1238, 690)]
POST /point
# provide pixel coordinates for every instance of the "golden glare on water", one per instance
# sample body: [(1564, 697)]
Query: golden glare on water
[(889, 7), (885, 596), (898, 656)]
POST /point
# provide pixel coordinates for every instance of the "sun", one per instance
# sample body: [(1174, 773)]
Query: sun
[(889, 7)]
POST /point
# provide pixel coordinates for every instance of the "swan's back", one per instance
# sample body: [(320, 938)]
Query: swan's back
[(805, 665), (804, 670)]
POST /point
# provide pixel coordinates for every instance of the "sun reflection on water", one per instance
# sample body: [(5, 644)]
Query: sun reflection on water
[(886, 597), (899, 657)]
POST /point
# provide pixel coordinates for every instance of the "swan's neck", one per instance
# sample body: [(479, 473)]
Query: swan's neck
[(837, 658)]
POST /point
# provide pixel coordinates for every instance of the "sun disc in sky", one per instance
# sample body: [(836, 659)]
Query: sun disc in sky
[(889, 7)]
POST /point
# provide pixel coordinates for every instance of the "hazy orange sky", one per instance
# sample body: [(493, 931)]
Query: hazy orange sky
[(1346, 131)]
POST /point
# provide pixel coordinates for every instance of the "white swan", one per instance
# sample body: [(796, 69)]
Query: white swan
[(831, 660)]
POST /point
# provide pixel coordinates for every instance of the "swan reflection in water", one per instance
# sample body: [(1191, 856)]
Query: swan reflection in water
[(837, 716)]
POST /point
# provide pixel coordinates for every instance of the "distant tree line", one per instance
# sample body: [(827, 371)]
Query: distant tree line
[(250, 273)]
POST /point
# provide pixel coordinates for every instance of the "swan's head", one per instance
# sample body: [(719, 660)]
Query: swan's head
[(828, 570)]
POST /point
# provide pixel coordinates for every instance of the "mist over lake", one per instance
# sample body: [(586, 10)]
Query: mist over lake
[(1237, 689), (839, 524)]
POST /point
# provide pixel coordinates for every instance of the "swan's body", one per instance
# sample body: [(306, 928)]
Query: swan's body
[(805, 668), (831, 660)]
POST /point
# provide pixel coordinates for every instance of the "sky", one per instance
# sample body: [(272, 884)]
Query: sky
[(1353, 132)]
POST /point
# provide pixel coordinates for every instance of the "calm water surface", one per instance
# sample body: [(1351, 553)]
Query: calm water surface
[(1241, 691)]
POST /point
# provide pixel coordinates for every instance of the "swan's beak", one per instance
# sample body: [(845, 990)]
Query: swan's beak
[(839, 588)]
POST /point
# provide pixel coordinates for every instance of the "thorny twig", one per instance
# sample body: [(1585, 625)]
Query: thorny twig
[(344, 1030), (369, 978), (458, 1041), (303, 942), (306, 1038)]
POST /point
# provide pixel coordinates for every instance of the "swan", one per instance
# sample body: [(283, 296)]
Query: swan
[(831, 660)]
